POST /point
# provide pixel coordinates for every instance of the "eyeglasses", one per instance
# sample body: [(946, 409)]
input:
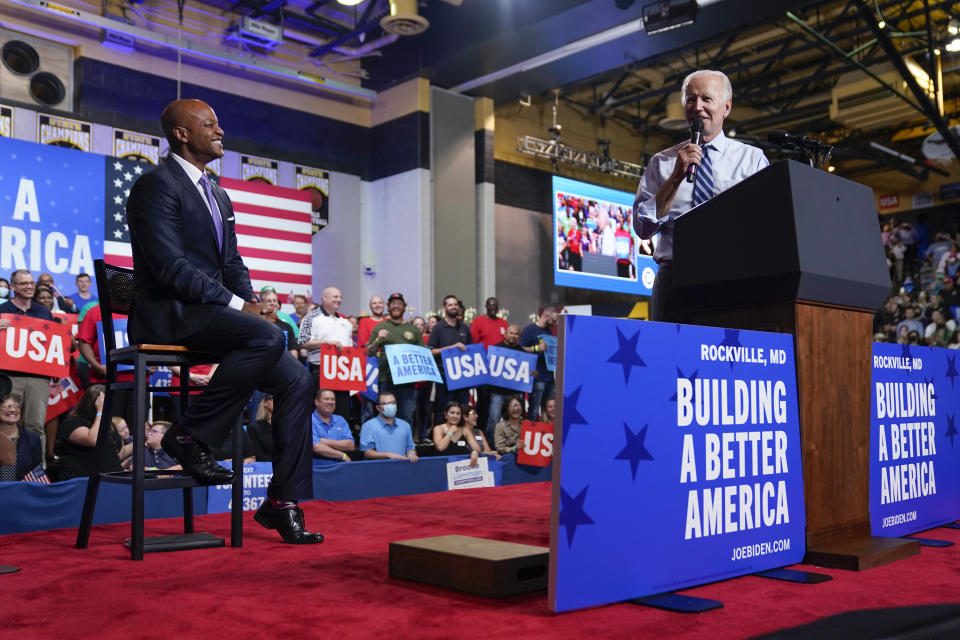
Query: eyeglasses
[(158, 431), (30, 283)]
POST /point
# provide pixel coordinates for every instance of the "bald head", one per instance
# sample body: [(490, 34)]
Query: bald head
[(192, 129), (330, 299)]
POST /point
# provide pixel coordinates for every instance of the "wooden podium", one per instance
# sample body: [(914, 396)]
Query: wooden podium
[(797, 250)]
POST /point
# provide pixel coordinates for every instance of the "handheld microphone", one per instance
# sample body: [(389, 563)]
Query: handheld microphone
[(696, 130)]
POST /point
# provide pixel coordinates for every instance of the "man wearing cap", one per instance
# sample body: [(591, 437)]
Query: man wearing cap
[(393, 330), (323, 326)]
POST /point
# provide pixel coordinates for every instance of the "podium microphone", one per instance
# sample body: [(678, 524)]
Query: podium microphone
[(696, 130)]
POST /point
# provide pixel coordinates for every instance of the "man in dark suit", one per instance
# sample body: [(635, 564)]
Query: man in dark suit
[(191, 288)]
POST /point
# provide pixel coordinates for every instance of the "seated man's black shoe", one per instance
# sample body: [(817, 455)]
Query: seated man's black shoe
[(196, 460), (289, 522)]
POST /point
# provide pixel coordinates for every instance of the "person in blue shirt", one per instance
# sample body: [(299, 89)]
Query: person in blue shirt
[(331, 433), (386, 437), (531, 340)]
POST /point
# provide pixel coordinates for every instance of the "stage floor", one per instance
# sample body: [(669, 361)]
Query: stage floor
[(340, 589)]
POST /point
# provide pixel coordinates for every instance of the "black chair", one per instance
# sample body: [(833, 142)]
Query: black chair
[(115, 287)]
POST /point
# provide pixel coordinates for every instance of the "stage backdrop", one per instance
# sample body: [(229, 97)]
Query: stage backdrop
[(62, 208), (678, 462), (914, 448)]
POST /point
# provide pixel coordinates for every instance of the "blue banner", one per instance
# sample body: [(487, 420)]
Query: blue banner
[(411, 363), (465, 368), (679, 459), (914, 452), (373, 379), (550, 355), (511, 369), (52, 219), (256, 477)]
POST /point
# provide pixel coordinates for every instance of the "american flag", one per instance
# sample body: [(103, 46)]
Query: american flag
[(272, 224), (36, 474)]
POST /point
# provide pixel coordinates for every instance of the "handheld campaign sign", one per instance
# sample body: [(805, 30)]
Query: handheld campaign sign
[(372, 392), (343, 369), (119, 338), (64, 395), (35, 346), (511, 369), (536, 439), (914, 445), (550, 355), (460, 475), (677, 459), (465, 368), (411, 363)]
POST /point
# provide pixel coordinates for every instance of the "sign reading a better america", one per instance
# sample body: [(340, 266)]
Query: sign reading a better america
[(914, 447), (677, 459)]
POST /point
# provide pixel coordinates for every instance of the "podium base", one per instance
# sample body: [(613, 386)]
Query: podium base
[(860, 553)]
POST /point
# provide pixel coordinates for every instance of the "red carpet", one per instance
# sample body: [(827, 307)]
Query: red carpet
[(340, 588)]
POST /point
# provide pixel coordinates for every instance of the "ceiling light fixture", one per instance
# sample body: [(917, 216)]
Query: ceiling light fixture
[(349, 3)]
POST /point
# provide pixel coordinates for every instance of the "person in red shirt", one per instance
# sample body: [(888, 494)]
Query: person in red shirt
[(487, 330), (88, 342), (367, 324)]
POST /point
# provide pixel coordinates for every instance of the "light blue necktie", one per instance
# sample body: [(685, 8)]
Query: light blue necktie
[(214, 210), (703, 185)]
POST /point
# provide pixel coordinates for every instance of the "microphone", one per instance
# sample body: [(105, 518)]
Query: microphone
[(789, 140), (696, 130)]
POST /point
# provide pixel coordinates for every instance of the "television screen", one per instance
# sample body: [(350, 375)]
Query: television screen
[(595, 246)]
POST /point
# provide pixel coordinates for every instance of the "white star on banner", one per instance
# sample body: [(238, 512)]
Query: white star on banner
[(126, 193), (118, 183), (117, 200), (117, 166), (118, 216), (128, 176), (138, 169), (117, 234)]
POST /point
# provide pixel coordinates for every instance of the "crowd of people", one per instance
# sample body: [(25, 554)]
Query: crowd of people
[(924, 306), (406, 421)]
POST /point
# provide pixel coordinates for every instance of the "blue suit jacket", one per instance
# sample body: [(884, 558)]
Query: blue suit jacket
[(179, 274)]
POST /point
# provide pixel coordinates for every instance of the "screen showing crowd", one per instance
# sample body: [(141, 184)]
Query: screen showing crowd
[(596, 247)]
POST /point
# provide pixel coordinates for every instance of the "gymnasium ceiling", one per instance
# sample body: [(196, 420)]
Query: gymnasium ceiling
[(790, 62), (824, 68)]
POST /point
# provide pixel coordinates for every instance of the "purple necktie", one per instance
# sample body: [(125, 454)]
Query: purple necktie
[(214, 210)]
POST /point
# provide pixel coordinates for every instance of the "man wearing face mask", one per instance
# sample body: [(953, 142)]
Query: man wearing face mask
[(386, 437), (665, 192)]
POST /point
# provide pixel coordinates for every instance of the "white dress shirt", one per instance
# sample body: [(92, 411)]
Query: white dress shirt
[(732, 161)]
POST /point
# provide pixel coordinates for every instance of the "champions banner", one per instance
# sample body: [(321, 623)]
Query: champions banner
[(30, 345), (343, 369), (914, 445), (677, 459)]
